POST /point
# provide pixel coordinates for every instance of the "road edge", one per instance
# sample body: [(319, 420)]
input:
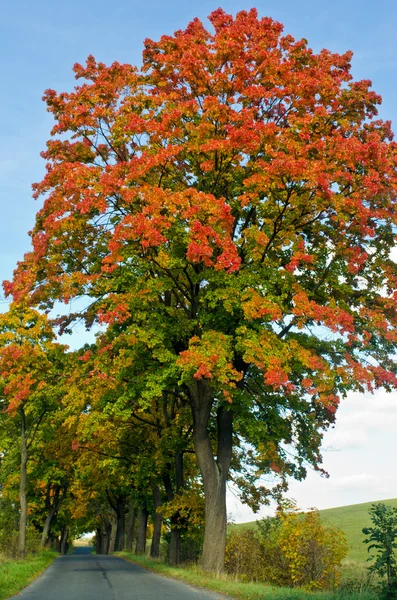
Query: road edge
[(181, 579)]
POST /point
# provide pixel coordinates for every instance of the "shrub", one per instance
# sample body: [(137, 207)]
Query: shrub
[(382, 538), (293, 549), (314, 552), (244, 558)]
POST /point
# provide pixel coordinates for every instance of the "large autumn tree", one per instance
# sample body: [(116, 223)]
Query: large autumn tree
[(230, 206)]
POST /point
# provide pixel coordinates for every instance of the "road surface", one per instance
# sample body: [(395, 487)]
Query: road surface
[(85, 576)]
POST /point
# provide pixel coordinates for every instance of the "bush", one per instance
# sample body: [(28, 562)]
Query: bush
[(9, 542), (388, 590), (294, 549), (314, 552), (244, 557), (382, 538)]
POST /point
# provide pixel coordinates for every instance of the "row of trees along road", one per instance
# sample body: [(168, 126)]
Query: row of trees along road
[(227, 212)]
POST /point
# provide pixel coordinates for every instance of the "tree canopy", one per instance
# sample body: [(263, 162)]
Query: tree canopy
[(228, 210)]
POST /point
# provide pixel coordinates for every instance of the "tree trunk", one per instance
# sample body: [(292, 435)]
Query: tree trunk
[(214, 472), (103, 537), (47, 525), (112, 537), (120, 530), (52, 541), (157, 522), (22, 490), (99, 538), (140, 547), (64, 540), (130, 526), (174, 551)]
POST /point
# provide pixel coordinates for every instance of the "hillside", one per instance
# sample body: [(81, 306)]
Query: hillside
[(351, 519)]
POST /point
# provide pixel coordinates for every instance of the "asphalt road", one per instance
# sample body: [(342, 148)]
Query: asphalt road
[(85, 576)]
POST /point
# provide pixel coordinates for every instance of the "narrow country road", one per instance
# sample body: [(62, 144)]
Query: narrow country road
[(85, 576)]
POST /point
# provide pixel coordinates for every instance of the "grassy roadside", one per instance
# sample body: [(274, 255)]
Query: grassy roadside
[(17, 574), (242, 591)]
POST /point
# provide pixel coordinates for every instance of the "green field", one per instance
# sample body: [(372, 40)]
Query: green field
[(351, 519)]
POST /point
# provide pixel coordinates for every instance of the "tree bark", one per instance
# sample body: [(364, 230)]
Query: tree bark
[(64, 540), (120, 529), (52, 508), (174, 550), (99, 539), (214, 472), (157, 522), (112, 536), (47, 525), (140, 547), (22, 489), (130, 526), (103, 537)]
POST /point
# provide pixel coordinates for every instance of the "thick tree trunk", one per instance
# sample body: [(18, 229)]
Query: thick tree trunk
[(130, 526), (214, 472), (157, 522), (99, 541), (64, 540), (120, 530), (103, 538), (140, 547), (112, 537), (22, 490), (47, 525), (174, 551)]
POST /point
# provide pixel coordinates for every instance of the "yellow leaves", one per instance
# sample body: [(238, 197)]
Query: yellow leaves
[(293, 549), (314, 551), (189, 505), (255, 306)]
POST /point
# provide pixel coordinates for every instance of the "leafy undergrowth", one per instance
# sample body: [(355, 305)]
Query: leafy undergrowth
[(351, 519), (243, 591), (17, 574)]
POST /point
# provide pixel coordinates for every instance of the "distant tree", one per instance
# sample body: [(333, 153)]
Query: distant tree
[(382, 537), (30, 387)]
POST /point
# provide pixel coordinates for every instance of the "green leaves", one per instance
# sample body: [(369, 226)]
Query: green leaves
[(382, 537)]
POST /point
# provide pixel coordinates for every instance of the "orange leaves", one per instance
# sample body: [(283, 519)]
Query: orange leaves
[(203, 222), (330, 315), (275, 376), (118, 314), (255, 306), (229, 209), (210, 358)]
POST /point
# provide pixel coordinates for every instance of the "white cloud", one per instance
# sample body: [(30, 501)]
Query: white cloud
[(359, 455)]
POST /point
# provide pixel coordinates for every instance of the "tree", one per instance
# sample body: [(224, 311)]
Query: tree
[(230, 208), (382, 537), (30, 385)]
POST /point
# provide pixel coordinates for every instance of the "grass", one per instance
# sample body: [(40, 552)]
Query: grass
[(17, 574), (243, 591), (351, 519)]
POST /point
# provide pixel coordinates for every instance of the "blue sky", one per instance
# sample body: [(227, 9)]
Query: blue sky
[(39, 43)]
